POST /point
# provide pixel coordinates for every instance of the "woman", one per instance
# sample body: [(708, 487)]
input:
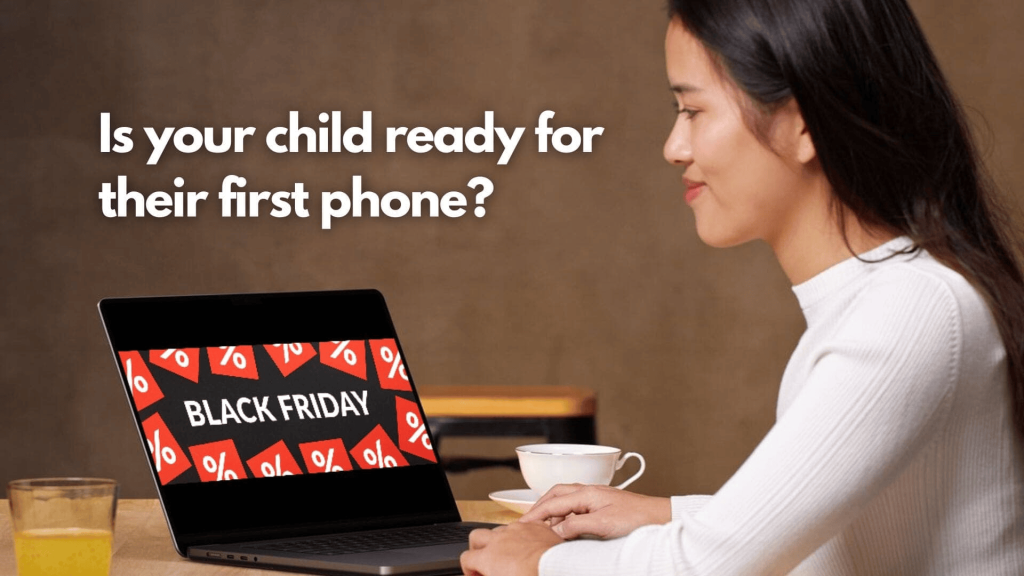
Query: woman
[(825, 128)]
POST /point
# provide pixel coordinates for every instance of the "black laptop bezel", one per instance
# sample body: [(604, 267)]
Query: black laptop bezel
[(266, 508)]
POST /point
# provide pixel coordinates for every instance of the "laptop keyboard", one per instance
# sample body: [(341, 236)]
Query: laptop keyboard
[(392, 539)]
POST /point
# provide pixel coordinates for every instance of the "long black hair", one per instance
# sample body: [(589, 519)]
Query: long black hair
[(889, 134)]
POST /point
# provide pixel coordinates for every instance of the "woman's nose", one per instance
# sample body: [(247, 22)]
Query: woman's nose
[(677, 147)]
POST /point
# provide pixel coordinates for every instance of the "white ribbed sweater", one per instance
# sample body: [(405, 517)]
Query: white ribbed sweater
[(893, 451)]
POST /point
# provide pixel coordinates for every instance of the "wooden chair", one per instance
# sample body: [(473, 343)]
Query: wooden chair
[(562, 414)]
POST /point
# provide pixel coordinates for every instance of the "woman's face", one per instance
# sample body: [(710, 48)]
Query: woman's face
[(738, 188)]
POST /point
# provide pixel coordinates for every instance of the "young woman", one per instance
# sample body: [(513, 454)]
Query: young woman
[(824, 128)]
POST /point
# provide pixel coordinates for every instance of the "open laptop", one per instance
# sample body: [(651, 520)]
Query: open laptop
[(284, 431)]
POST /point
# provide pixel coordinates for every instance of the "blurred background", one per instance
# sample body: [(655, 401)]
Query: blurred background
[(586, 269)]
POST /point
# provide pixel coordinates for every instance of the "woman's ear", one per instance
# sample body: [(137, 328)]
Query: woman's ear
[(805, 148), (805, 151), (798, 138)]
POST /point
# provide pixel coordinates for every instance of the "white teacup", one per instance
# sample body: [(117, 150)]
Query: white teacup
[(544, 465)]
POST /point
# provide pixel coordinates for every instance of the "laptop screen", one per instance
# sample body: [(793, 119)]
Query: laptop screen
[(234, 412), (276, 415)]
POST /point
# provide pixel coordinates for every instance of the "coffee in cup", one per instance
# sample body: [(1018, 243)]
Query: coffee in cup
[(544, 465)]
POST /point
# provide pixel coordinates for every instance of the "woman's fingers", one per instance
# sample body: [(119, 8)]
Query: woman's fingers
[(585, 524), (479, 538), (556, 491), (559, 490), (578, 501), (470, 562), (508, 550)]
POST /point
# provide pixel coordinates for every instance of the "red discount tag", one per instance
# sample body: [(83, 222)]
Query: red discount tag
[(390, 368), (182, 361), (325, 456), (412, 430), (377, 450), (288, 357), (274, 461), (217, 461), (167, 455), (235, 361), (144, 389), (349, 356)]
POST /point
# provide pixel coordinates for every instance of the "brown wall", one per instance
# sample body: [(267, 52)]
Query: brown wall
[(586, 269)]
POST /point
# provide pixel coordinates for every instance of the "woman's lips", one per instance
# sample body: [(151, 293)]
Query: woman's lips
[(693, 190)]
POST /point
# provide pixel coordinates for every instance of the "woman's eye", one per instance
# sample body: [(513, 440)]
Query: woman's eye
[(690, 112)]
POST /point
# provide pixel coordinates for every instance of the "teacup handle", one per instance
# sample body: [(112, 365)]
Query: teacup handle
[(626, 456)]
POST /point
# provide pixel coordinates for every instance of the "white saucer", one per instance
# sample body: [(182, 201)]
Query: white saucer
[(515, 500)]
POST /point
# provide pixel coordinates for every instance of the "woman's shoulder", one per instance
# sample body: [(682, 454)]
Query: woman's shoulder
[(918, 289), (908, 321), (921, 282)]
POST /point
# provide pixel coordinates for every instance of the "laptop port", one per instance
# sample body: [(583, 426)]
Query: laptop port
[(244, 557), (231, 556), (212, 555)]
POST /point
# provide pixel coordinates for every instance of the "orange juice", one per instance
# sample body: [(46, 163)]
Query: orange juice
[(63, 551)]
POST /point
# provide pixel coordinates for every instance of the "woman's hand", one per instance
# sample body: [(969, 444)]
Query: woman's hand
[(573, 510), (514, 549)]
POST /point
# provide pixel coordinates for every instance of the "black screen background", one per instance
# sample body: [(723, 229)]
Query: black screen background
[(313, 377)]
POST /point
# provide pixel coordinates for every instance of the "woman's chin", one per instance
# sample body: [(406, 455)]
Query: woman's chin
[(717, 238)]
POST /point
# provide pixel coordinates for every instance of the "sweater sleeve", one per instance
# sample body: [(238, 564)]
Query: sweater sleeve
[(877, 392), (688, 505)]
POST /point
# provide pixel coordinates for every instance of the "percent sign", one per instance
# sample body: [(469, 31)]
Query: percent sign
[(326, 463), (377, 459), (236, 357), (165, 454), (140, 384), (274, 470), (295, 348), (180, 357), (421, 430), (395, 361), (212, 465), (349, 354)]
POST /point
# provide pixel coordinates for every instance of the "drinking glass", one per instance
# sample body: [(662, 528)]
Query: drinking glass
[(63, 526)]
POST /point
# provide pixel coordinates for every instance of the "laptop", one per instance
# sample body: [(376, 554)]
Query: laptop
[(284, 431)]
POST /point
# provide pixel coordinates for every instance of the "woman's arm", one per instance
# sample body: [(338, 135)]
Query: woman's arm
[(877, 393)]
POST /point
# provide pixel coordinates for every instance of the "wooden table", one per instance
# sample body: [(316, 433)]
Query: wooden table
[(142, 544)]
